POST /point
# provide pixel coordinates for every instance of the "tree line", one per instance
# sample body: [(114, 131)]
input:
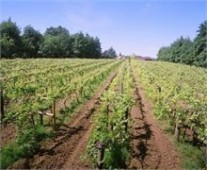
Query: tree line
[(187, 51), (56, 42)]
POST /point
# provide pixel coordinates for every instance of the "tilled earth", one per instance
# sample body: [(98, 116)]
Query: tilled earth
[(150, 146)]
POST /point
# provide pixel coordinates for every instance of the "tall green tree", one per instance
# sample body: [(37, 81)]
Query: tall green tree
[(56, 31), (200, 43), (187, 52), (79, 44), (88, 50), (164, 54), (56, 43), (110, 53), (10, 42), (183, 50), (32, 40), (85, 46), (97, 48), (180, 51)]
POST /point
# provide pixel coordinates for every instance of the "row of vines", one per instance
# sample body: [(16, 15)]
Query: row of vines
[(40, 94), (178, 94), (108, 146)]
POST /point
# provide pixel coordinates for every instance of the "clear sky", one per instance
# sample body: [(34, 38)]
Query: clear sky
[(129, 26)]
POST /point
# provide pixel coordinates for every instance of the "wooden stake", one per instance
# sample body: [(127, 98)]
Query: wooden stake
[(107, 110), (122, 89), (107, 114), (65, 103), (81, 91), (126, 121), (111, 127), (32, 119), (194, 141), (2, 105), (54, 115), (184, 132), (100, 155), (177, 131), (41, 119)]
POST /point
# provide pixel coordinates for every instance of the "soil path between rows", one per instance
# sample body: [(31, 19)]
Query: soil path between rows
[(150, 146), (65, 150), (8, 133)]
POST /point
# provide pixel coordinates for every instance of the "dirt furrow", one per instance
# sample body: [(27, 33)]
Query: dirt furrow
[(8, 133), (65, 150), (169, 157), (150, 148), (145, 154), (74, 161)]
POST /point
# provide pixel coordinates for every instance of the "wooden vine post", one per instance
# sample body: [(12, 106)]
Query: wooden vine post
[(32, 119), (54, 115), (177, 130), (185, 130), (81, 91), (194, 140), (2, 105), (126, 121), (65, 101), (107, 113), (159, 94), (107, 110), (110, 125), (122, 88), (100, 155), (41, 118)]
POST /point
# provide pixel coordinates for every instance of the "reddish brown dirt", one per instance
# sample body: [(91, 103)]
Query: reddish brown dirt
[(8, 133), (65, 150), (150, 147)]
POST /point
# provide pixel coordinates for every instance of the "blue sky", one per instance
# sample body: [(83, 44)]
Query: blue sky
[(129, 26)]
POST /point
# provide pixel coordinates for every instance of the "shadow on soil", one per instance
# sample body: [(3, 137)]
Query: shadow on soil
[(142, 146), (66, 133)]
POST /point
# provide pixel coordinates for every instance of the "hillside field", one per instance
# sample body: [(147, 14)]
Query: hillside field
[(102, 113)]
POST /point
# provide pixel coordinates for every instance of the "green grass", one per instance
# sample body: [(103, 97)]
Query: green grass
[(26, 145), (116, 157), (9, 154), (192, 157)]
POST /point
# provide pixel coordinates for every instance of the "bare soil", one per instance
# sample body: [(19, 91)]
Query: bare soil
[(150, 147), (64, 151), (8, 133)]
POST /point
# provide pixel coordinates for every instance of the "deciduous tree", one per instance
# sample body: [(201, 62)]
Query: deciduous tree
[(32, 40), (10, 42)]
